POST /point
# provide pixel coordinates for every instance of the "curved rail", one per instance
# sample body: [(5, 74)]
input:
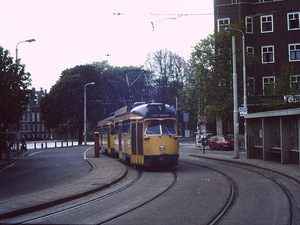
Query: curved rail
[(230, 200), (139, 175), (144, 203), (293, 204)]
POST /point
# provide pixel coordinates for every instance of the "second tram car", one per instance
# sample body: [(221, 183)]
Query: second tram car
[(144, 134), (106, 136)]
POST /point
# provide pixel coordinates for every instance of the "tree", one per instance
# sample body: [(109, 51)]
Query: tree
[(14, 92), (210, 92), (284, 93), (170, 72), (62, 109)]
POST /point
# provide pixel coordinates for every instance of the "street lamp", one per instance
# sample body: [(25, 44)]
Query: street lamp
[(235, 102), (244, 79), (244, 64), (18, 123), (85, 121), (29, 41)]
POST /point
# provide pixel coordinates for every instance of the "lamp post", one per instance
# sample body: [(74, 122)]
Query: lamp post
[(235, 102), (244, 78), (29, 41), (244, 64), (17, 63), (84, 112)]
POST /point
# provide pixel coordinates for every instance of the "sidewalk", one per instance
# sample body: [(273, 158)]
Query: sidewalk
[(106, 172)]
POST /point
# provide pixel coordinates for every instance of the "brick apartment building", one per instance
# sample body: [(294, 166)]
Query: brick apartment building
[(272, 33)]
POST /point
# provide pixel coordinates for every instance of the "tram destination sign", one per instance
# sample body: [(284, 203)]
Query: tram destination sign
[(159, 115)]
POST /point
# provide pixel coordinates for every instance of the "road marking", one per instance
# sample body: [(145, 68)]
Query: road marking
[(34, 153), (86, 160)]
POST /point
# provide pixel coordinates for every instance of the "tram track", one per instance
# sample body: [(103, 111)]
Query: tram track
[(84, 203), (104, 198), (146, 202), (231, 197), (273, 176)]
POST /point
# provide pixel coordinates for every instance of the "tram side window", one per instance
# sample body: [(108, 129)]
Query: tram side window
[(105, 131), (112, 130), (126, 128)]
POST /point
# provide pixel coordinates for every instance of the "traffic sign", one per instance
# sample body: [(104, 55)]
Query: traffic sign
[(243, 111)]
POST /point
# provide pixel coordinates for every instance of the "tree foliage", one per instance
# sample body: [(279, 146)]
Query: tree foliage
[(211, 91), (14, 92), (62, 109), (170, 72), (283, 95)]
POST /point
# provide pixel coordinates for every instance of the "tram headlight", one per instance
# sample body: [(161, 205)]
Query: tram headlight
[(162, 148)]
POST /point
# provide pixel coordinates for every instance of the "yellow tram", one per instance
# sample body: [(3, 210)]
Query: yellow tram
[(144, 134)]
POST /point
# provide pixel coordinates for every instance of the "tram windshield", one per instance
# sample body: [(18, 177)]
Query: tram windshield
[(163, 127)]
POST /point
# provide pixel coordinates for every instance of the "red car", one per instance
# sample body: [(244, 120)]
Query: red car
[(221, 142)]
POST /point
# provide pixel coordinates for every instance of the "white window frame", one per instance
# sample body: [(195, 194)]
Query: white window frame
[(294, 48), (292, 16), (266, 19), (224, 24), (295, 81), (249, 24), (267, 50), (250, 50), (270, 81), (26, 117)]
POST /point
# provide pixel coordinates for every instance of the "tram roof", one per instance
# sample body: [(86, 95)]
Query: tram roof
[(108, 119), (153, 110)]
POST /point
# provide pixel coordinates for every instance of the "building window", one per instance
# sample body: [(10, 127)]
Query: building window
[(250, 51), (266, 24), (295, 82), (294, 52), (35, 99), (26, 117), (267, 54), (293, 21), (234, 1), (268, 85), (33, 117), (223, 23), (251, 86), (249, 24)]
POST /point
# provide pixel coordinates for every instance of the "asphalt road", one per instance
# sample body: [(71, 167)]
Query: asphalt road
[(43, 168)]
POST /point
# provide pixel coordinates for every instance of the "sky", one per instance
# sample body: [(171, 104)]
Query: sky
[(72, 32)]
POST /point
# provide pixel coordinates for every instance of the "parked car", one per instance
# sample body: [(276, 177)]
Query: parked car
[(221, 142)]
